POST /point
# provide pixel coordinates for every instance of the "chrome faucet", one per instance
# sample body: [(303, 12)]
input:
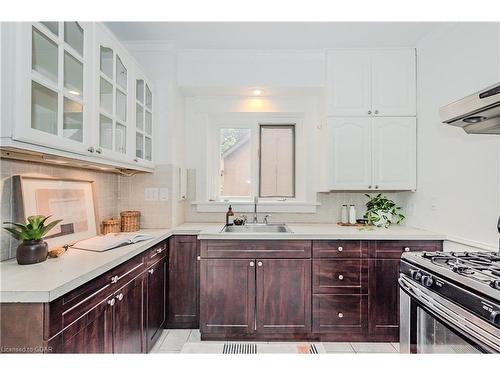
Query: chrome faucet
[(255, 203)]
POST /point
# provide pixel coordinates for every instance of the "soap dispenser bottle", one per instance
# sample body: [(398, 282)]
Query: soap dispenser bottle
[(230, 216)]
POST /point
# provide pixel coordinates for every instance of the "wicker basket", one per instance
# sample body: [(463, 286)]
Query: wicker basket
[(130, 221), (110, 226)]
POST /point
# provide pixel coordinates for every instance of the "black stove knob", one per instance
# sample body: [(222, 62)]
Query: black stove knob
[(495, 317), (415, 275), (427, 281)]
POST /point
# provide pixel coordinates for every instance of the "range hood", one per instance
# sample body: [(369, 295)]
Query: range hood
[(478, 113)]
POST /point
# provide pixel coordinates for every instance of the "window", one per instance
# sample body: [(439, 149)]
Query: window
[(256, 160), (277, 161)]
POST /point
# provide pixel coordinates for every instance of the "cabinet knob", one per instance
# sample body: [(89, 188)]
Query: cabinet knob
[(406, 249), (259, 264), (159, 251), (114, 279), (111, 302), (376, 111), (198, 257), (119, 297), (91, 149), (369, 112), (151, 271), (252, 264), (340, 248), (340, 315), (341, 277)]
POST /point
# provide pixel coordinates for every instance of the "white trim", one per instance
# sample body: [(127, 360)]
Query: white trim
[(263, 206)]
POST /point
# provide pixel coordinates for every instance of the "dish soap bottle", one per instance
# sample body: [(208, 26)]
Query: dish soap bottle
[(230, 216)]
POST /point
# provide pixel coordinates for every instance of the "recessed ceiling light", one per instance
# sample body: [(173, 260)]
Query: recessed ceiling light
[(257, 92), (73, 92)]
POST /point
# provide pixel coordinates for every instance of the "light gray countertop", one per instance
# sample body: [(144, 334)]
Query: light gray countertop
[(46, 281)]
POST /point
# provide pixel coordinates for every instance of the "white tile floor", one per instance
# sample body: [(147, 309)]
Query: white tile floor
[(188, 341)]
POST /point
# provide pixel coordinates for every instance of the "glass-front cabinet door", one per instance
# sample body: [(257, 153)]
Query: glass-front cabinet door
[(115, 92), (143, 121), (56, 90)]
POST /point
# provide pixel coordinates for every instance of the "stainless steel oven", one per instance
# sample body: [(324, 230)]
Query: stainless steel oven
[(433, 324)]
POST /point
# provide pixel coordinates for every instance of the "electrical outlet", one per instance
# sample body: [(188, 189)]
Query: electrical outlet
[(151, 194), (164, 194)]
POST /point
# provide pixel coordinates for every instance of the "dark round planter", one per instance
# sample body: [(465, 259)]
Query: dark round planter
[(31, 252)]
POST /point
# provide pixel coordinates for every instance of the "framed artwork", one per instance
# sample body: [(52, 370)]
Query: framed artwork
[(71, 200)]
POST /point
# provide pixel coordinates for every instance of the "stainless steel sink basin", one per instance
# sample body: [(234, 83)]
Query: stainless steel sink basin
[(256, 228)]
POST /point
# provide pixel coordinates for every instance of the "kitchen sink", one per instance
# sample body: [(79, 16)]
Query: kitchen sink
[(256, 228)]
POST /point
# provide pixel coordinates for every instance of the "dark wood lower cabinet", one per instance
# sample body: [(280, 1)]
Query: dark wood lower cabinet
[(156, 301), (342, 314), (183, 284)]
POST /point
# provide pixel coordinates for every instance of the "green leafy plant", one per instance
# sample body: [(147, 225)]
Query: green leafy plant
[(34, 230), (382, 211)]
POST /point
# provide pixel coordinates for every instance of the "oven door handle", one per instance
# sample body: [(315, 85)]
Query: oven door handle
[(431, 301)]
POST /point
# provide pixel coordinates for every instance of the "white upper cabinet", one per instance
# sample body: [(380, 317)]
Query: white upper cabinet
[(350, 160), (371, 82), (377, 153), (393, 83), (348, 83), (394, 153)]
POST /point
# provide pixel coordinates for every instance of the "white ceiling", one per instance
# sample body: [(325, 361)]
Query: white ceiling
[(275, 35)]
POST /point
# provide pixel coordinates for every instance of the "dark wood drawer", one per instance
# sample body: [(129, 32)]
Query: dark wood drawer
[(339, 249), (156, 253), (241, 249), (394, 248), (339, 313), (340, 276)]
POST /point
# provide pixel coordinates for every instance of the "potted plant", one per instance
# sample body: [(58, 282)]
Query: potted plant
[(382, 211), (32, 249)]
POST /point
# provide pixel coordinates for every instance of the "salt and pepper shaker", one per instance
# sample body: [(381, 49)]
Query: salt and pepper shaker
[(352, 214), (344, 215)]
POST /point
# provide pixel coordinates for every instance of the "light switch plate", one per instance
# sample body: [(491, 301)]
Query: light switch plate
[(164, 194), (151, 194)]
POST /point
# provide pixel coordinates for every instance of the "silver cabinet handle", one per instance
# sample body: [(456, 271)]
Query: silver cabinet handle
[(91, 149), (151, 271), (376, 111), (198, 257), (119, 297), (340, 315), (369, 112), (406, 249), (114, 279), (340, 248), (259, 264), (111, 302), (341, 277), (252, 264)]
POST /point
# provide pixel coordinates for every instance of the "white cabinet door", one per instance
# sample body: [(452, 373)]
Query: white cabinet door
[(393, 82), (394, 153), (350, 160), (348, 86)]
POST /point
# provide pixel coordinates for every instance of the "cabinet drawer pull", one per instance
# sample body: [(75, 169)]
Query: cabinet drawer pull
[(340, 248), (407, 249), (119, 297), (198, 257), (340, 315), (114, 279), (341, 277), (151, 271), (252, 264), (259, 264), (111, 302), (159, 251)]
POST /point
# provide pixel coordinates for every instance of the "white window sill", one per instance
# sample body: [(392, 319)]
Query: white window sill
[(262, 207)]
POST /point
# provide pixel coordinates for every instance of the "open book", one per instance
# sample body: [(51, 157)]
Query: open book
[(111, 240)]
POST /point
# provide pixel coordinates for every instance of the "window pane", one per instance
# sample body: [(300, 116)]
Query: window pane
[(73, 35), (121, 105), (106, 96), (139, 145), (73, 120), (43, 108), (105, 132), (139, 90), (73, 75), (139, 117), (148, 148), (149, 123), (121, 73), (149, 98), (106, 62), (277, 159), (52, 26), (235, 162), (121, 138), (44, 56)]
